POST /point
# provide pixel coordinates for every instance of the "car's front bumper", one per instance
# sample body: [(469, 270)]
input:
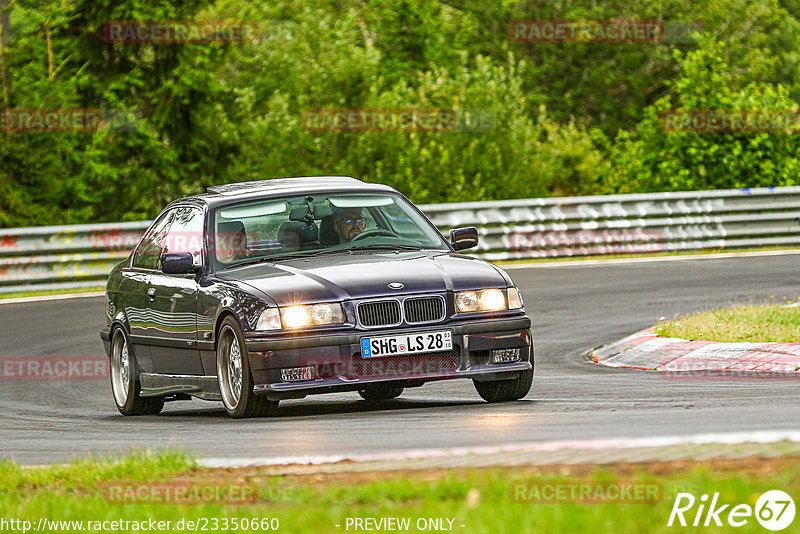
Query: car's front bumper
[(337, 364)]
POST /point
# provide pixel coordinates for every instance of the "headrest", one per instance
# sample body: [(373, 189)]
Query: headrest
[(327, 235), (322, 210), (295, 232), (230, 227)]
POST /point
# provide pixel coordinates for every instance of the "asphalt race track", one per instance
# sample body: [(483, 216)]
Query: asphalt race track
[(575, 308)]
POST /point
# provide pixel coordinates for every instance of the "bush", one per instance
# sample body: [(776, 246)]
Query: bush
[(651, 159)]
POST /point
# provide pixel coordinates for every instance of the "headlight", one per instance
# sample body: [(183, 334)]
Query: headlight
[(270, 320), (514, 298), (492, 300), (488, 300), (466, 301), (295, 316), (327, 314), (312, 314)]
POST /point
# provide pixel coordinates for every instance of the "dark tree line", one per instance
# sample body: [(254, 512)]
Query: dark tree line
[(563, 118)]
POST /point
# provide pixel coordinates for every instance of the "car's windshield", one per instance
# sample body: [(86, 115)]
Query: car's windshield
[(285, 227)]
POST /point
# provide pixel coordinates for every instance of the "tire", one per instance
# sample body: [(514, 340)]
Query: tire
[(125, 387), (505, 390), (234, 376), (378, 393)]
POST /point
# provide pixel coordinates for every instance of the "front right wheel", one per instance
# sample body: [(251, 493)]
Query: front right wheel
[(235, 378), (505, 390)]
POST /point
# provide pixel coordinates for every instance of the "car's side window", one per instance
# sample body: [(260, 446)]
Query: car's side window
[(186, 234), (402, 224), (148, 253)]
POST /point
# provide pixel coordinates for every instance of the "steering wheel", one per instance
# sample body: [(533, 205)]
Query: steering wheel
[(374, 232)]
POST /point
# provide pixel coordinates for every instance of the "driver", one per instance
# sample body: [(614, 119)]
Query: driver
[(348, 223)]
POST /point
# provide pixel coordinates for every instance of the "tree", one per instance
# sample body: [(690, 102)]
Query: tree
[(652, 159)]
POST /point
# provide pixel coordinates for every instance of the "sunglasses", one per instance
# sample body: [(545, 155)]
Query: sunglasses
[(359, 220)]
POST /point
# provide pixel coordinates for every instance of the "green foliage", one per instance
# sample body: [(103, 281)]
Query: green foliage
[(332, 61), (566, 118), (652, 159), (484, 500), (64, 176)]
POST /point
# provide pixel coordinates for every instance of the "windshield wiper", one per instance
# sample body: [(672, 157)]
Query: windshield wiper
[(309, 254), (294, 256), (324, 252), (378, 246)]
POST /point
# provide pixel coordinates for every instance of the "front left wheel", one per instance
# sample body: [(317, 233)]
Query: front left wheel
[(235, 378), (125, 380)]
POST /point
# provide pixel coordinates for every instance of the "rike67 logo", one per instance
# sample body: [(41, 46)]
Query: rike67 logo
[(774, 510)]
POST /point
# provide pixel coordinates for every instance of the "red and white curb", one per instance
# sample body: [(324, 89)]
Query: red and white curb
[(646, 350)]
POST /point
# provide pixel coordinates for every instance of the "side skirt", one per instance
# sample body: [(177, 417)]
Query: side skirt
[(202, 387)]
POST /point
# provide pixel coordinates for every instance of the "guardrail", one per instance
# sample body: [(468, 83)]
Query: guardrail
[(82, 255)]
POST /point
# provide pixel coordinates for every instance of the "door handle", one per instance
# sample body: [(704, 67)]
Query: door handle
[(151, 294)]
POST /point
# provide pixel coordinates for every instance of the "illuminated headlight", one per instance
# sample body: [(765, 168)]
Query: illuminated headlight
[(299, 316), (492, 300), (312, 314), (295, 316), (488, 300)]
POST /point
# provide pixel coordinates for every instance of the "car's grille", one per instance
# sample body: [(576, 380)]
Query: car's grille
[(424, 309), (433, 364), (379, 313)]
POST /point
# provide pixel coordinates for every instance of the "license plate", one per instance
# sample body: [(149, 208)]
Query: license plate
[(406, 344), (296, 374)]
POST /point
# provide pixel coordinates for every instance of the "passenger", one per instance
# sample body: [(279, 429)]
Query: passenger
[(232, 242)]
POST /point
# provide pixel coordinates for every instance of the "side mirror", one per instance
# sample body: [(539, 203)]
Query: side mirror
[(464, 238), (179, 263)]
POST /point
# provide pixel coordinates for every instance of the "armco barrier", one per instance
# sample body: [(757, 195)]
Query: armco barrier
[(82, 255)]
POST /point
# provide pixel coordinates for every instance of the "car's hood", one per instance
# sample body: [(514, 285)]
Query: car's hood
[(363, 275)]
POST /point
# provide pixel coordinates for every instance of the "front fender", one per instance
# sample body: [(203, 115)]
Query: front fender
[(227, 298)]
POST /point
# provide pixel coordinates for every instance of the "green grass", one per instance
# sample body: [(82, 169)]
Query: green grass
[(480, 499), (669, 254), (758, 323), (47, 292)]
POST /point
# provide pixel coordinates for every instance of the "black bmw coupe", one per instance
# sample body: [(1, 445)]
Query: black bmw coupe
[(260, 291)]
